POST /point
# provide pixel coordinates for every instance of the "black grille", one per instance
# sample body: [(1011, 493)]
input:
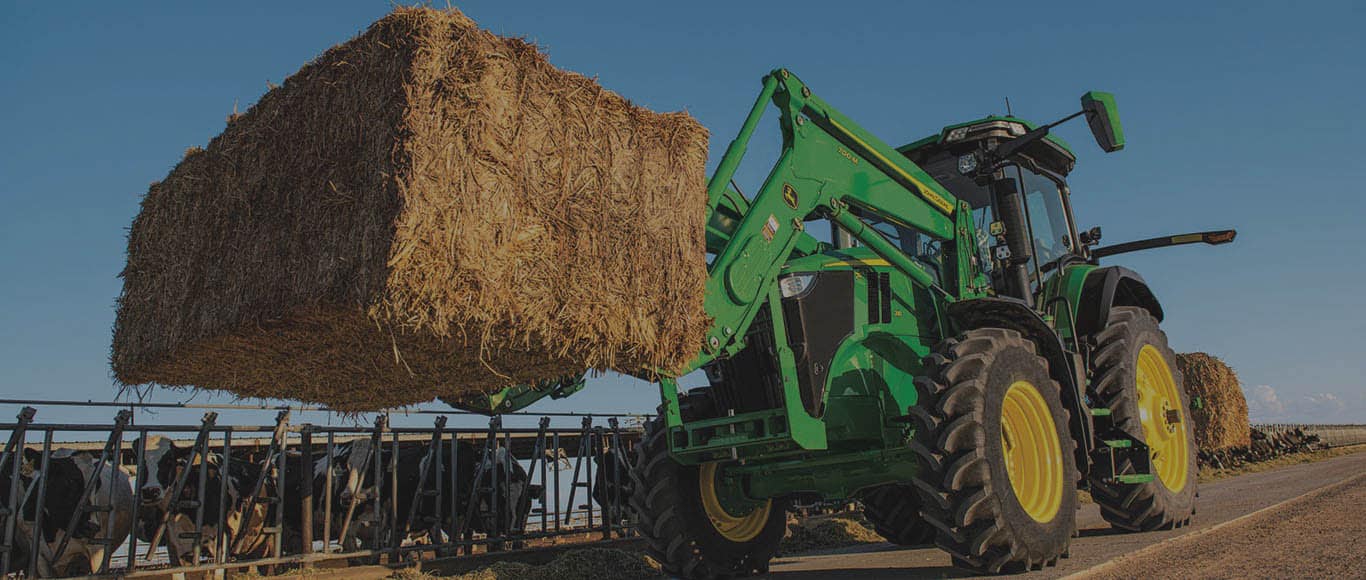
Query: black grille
[(749, 381), (817, 322), (879, 297)]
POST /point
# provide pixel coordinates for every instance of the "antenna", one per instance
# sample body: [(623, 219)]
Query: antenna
[(1009, 113)]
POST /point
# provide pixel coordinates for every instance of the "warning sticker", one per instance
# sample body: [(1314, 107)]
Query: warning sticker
[(770, 227)]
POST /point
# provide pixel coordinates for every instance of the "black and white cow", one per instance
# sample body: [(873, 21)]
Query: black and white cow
[(68, 471), (612, 483), (164, 461), (356, 482), (27, 508)]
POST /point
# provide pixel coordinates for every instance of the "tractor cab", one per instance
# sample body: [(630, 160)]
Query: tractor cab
[(955, 157)]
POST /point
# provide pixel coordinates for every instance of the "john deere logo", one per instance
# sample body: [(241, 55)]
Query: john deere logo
[(790, 196)]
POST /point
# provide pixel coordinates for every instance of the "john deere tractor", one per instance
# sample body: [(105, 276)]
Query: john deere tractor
[(954, 356)]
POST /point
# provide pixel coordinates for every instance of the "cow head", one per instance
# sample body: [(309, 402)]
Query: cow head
[(162, 459), (357, 473)]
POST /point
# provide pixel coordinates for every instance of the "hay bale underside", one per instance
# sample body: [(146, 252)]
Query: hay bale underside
[(1222, 420), (426, 210)]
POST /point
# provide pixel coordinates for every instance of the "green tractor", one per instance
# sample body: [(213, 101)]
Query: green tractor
[(955, 357)]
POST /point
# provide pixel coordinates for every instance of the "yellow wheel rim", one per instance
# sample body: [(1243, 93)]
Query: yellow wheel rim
[(1163, 418), (1033, 454), (736, 528)]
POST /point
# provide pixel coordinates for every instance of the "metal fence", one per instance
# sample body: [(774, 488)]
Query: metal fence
[(1329, 435), (443, 513)]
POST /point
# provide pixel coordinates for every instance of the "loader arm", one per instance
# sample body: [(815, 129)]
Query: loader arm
[(827, 164)]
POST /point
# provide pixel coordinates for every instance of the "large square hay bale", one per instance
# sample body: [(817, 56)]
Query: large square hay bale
[(1221, 421), (426, 210)]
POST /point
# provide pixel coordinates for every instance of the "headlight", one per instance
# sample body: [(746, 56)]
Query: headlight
[(957, 134), (795, 284)]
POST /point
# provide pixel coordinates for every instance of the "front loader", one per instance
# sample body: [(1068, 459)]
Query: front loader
[(954, 356)]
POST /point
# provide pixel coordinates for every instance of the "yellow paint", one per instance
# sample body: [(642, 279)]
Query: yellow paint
[(929, 194), (1186, 238), (857, 263), (1166, 439), (741, 528), (1033, 453)]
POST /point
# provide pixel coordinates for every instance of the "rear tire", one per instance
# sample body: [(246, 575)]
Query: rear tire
[(1131, 341), (678, 529), (1000, 475), (894, 511)]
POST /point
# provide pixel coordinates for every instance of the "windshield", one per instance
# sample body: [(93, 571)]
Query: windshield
[(1047, 217)]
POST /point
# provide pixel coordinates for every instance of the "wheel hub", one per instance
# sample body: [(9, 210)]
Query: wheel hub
[(734, 523), (1163, 419), (1033, 454)]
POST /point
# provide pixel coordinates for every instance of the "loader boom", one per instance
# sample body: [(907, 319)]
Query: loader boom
[(827, 164)]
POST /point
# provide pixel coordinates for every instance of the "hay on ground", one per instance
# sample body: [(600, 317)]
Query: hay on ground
[(582, 564), (826, 533), (1221, 421), (425, 210)]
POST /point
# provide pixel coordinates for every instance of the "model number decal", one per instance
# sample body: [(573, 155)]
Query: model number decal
[(847, 155)]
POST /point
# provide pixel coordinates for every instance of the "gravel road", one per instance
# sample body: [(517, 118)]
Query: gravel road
[(1295, 546), (1313, 536)]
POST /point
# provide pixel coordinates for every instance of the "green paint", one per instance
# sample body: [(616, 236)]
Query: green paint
[(831, 169)]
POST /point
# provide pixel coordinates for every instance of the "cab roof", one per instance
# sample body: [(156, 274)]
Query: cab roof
[(940, 137)]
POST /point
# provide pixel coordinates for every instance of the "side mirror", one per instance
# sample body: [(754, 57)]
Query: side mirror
[(1103, 117)]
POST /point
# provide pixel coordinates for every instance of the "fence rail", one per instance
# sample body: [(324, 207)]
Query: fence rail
[(231, 487)]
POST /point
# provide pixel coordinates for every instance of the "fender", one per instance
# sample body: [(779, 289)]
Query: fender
[(1112, 286), (1012, 313)]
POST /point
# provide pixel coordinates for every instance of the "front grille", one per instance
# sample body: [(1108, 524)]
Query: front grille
[(749, 381)]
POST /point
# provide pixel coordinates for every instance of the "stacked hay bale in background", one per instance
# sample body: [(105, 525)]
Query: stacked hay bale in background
[(426, 210), (1221, 422)]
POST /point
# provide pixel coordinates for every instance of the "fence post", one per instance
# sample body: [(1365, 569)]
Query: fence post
[(36, 547), (12, 511), (139, 474), (305, 488), (220, 540), (327, 492)]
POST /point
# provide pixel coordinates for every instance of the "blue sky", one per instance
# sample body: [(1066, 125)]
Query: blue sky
[(1246, 118)]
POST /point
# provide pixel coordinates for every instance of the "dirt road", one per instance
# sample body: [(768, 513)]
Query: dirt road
[(1312, 536)]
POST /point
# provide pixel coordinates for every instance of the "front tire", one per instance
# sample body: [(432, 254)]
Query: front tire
[(894, 511), (687, 520), (1000, 477), (1136, 378)]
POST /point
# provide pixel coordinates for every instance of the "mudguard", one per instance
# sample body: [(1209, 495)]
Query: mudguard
[(1112, 286), (1003, 312)]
